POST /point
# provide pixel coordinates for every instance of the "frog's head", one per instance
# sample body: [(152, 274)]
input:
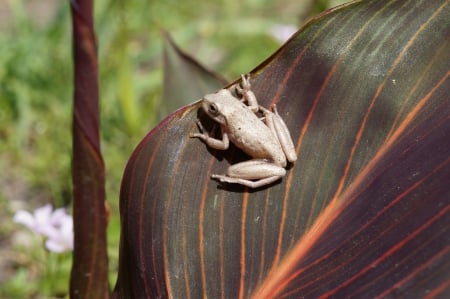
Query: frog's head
[(215, 103)]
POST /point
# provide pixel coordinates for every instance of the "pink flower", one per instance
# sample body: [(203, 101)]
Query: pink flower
[(56, 226)]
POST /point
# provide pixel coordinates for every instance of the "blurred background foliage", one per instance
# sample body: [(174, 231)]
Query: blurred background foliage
[(229, 37)]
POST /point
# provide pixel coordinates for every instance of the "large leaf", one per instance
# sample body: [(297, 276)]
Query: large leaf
[(364, 212)]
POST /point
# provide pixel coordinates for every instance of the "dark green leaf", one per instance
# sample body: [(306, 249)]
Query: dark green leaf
[(364, 212)]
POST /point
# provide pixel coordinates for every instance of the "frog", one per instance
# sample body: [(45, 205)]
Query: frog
[(266, 140)]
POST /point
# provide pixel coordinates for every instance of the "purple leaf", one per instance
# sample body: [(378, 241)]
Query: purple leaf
[(364, 212), (90, 263)]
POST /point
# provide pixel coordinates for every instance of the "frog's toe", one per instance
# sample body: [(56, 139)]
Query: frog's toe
[(220, 178)]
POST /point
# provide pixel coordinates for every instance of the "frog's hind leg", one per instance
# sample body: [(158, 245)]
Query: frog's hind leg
[(278, 127), (254, 173)]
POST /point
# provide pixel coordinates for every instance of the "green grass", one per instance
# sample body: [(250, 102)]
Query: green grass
[(230, 37)]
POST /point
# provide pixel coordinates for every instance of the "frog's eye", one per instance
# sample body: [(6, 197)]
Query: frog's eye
[(213, 109)]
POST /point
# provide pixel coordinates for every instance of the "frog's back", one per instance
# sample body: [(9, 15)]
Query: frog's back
[(249, 133)]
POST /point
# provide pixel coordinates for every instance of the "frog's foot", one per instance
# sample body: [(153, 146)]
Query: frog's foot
[(246, 86), (202, 134), (246, 93), (244, 182)]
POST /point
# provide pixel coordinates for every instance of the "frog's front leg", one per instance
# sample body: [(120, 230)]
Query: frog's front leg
[(278, 127), (221, 144), (247, 94), (254, 173)]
